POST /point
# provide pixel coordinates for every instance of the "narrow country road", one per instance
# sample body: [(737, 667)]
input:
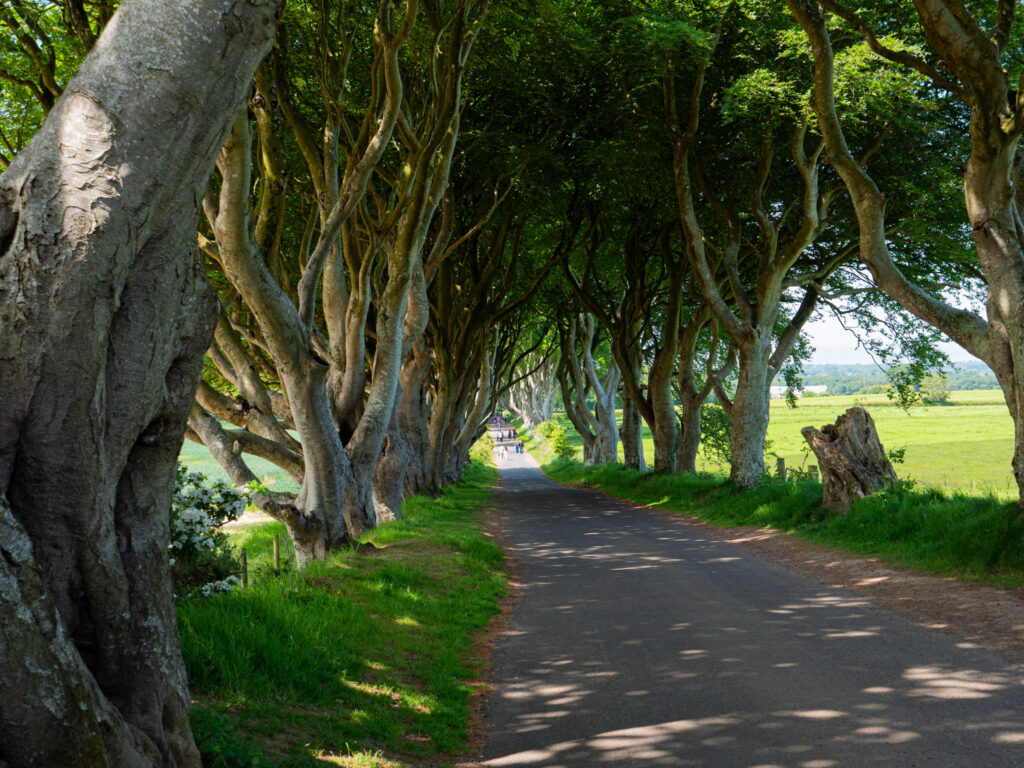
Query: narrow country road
[(639, 641)]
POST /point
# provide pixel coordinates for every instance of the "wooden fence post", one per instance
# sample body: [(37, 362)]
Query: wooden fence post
[(812, 471), (277, 554), (245, 569), (782, 469)]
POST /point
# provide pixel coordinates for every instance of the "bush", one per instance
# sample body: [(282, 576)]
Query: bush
[(548, 429), (202, 561), (562, 447), (714, 434), (935, 390), (555, 436), (874, 389)]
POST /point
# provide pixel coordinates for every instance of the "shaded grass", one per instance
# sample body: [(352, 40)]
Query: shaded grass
[(365, 659), (971, 537)]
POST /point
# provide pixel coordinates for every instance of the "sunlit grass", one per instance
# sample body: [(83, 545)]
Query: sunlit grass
[(960, 522), (972, 537), (963, 447), (363, 660)]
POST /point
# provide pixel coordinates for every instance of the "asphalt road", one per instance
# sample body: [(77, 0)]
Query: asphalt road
[(639, 641)]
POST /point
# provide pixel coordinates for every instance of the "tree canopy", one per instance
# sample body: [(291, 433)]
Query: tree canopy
[(403, 216)]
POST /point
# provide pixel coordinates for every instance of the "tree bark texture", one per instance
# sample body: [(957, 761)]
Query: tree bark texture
[(106, 314), (748, 417), (414, 416), (852, 460), (631, 433), (689, 433)]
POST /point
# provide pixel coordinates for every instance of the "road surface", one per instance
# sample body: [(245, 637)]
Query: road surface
[(640, 641)]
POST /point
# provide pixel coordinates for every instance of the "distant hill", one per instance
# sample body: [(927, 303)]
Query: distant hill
[(852, 378)]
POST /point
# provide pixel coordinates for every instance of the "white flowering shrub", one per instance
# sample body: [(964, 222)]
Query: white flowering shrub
[(202, 560)]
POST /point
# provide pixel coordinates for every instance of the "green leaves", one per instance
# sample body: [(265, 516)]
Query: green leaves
[(870, 90), (662, 35), (763, 96)]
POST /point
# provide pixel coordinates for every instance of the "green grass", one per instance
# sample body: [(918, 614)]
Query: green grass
[(367, 660), (970, 537), (963, 447), (199, 459)]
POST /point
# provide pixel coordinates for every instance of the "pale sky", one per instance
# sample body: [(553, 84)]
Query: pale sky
[(834, 344)]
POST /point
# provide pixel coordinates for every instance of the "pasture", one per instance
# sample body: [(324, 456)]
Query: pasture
[(199, 459), (963, 446)]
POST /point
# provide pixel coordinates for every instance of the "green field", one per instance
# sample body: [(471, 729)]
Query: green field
[(964, 446), (199, 459)]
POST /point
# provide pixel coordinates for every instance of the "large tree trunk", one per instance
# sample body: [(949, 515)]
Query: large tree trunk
[(666, 425), (576, 408), (442, 411), (748, 416), (632, 435), (365, 446), (106, 315), (852, 460), (689, 438), (606, 442), (315, 523), (414, 414), (392, 466)]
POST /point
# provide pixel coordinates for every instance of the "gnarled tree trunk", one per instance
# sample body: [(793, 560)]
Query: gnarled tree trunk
[(631, 433), (414, 415), (851, 457), (106, 314)]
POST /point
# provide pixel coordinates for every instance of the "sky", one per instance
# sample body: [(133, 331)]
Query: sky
[(834, 344)]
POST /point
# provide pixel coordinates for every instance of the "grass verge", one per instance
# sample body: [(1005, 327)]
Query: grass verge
[(366, 659), (975, 538)]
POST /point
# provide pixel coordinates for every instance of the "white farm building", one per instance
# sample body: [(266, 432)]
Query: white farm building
[(818, 389)]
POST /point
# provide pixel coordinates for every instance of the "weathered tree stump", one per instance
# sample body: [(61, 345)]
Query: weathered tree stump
[(852, 459)]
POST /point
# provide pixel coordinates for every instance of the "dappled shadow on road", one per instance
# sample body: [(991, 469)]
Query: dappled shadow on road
[(641, 641)]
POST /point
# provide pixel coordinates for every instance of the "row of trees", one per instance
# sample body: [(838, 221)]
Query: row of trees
[(395, 216)]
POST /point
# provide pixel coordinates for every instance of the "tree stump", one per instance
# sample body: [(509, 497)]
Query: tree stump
[(852, 460)]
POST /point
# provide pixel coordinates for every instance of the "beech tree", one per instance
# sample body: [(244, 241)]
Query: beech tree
[(977, 49), (331, 321), (580, 380), (106, 313), (532, 396), (475, 298)]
